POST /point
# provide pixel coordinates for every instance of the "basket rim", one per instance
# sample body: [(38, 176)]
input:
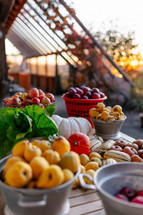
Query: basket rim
[(84, 100)]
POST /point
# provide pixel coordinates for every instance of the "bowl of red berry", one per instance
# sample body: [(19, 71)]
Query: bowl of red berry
[(120, 187), (33, 97), (79, 100)]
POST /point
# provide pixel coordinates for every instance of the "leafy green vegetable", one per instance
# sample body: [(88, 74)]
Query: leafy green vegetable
[(17, 124)]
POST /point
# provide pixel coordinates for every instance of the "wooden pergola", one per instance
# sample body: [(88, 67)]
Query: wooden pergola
[(28, 25)]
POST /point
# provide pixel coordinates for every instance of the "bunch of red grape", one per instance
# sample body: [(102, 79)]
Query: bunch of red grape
[(84, 93), (130, 195)]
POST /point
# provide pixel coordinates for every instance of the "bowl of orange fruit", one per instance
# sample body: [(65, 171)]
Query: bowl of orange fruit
[(38, 176), (107, 120)]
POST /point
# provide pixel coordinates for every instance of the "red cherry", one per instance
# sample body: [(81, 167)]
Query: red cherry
[(95, 90), (67, 95), (95, 96), (77, 96), (137, 199), (102, 95), (85, 89), (72, 91), (88, 94), (84, 97), (140, 193), (121, 196), (79, 91), (128, 192)]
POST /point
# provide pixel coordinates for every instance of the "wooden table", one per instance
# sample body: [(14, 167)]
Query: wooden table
[(81, 202)]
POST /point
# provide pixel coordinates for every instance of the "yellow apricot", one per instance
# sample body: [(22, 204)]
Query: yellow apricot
[(19, 174), (31, 152), (42, 144), (51, 156), (68, 175), (93, 112), (51, 177), (61, 145), (19, 148), (38, 164)]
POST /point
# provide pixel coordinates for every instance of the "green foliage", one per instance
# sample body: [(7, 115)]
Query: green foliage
[(17, 124)]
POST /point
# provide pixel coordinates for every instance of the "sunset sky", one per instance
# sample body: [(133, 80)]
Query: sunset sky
[(100, 15), (127, 15)]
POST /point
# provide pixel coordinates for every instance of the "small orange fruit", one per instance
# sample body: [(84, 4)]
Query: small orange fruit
[(51, 177), (51, 156), (42, 144), (38, 164), (93, 112), (70, 160), (68, 175), (19, 148), (12, 160), (31, 152), (19, 174), (61, 145)]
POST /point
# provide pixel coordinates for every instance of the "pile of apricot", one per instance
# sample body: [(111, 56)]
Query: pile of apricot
[(38, 164), (102, 112)]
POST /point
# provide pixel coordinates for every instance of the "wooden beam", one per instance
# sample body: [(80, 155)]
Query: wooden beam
[(15, 9), (5, 7), (3, 65)]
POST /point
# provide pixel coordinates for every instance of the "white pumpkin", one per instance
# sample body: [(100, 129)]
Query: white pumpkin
[(71, 125)]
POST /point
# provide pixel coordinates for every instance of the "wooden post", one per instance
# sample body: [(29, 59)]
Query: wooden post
[(3, 64)]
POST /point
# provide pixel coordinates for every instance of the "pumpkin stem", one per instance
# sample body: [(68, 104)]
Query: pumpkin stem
[(75, 143)]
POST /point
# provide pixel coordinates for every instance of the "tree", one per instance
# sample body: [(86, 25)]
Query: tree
[(122, 48)]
